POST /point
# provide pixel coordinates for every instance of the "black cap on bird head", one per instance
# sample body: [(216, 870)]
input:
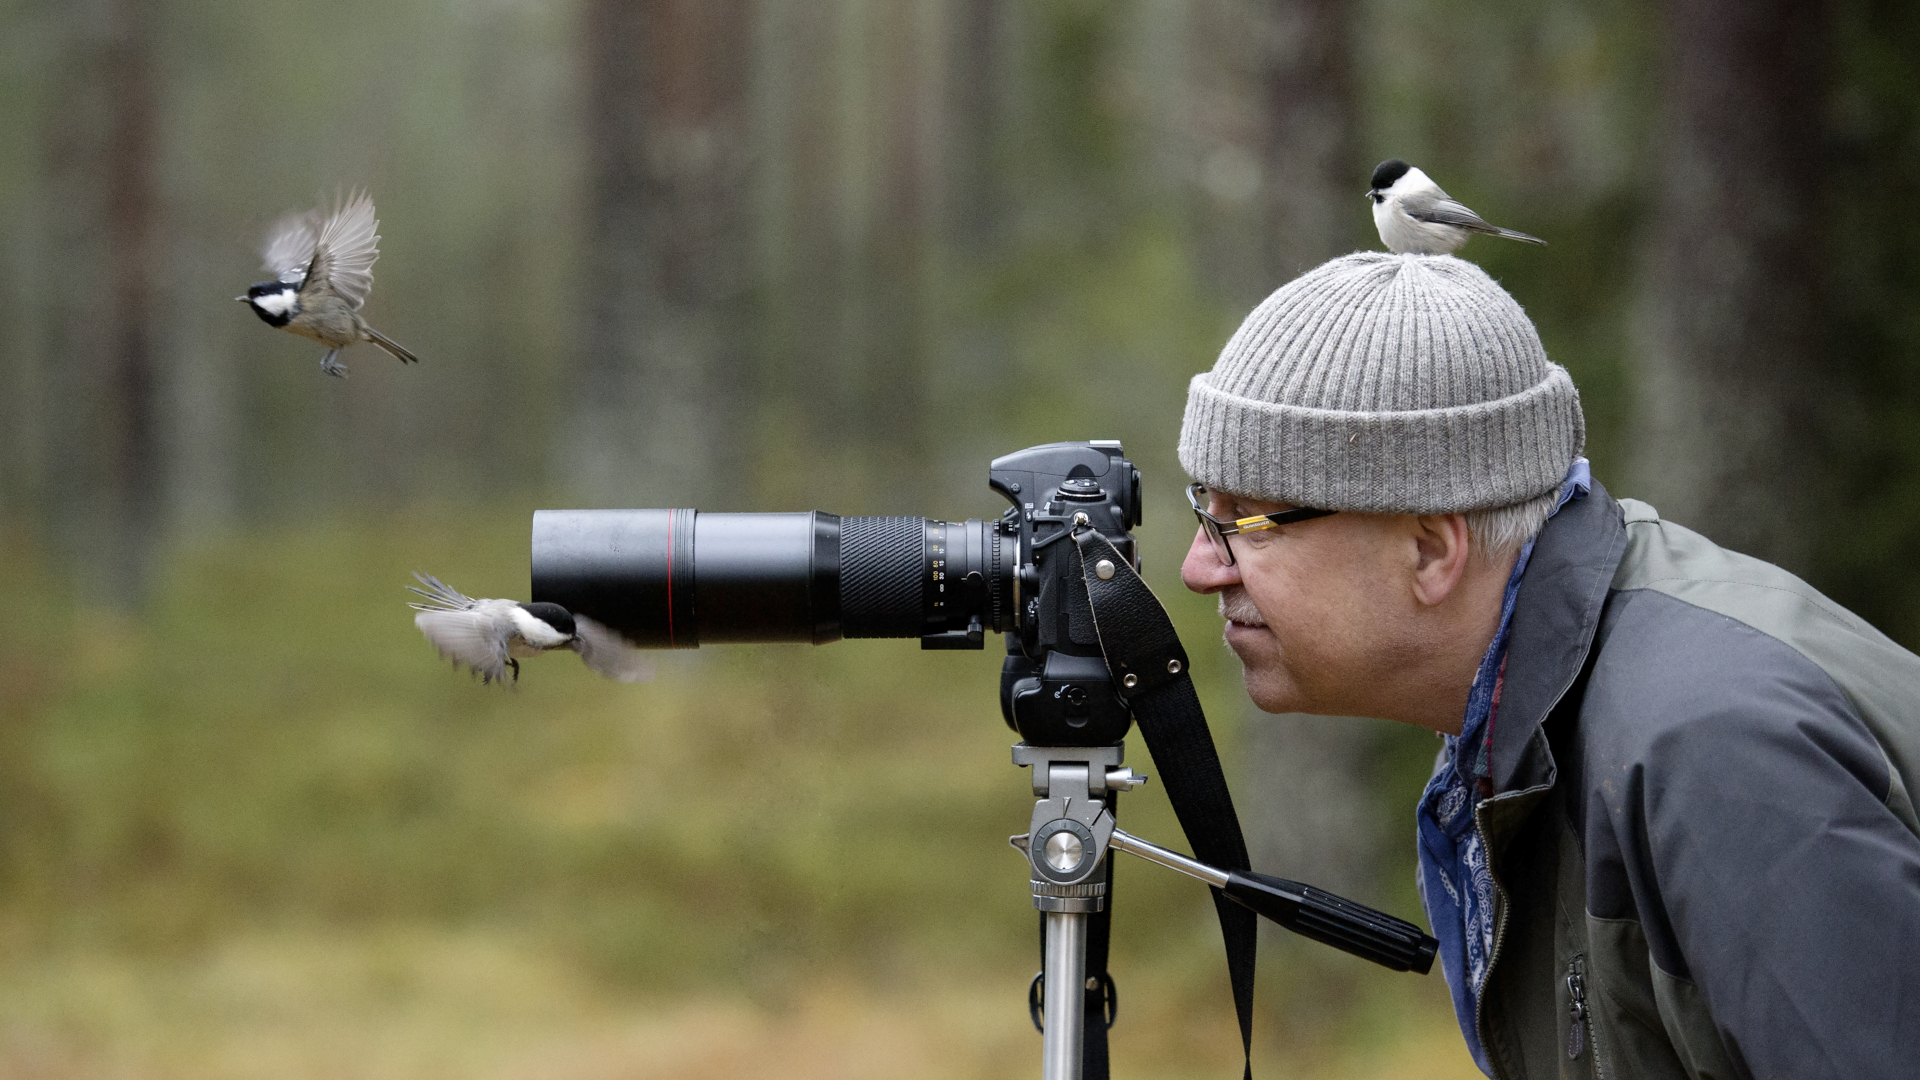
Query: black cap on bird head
[(1388, 171), (553, 615), (276, 302)]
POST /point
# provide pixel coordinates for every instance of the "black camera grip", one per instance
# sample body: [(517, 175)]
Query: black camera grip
[(1334, 920)]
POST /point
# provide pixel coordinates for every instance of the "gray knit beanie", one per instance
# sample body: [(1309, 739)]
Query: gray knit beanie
[(1390, 383)]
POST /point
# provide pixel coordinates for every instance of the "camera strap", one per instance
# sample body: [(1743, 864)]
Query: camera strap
[(1149, 669)]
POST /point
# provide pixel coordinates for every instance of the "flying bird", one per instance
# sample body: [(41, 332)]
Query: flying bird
[(492, 636), (1415, 217), (323, 267)]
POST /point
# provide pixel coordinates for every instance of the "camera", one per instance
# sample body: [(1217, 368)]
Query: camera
[(680, 578)]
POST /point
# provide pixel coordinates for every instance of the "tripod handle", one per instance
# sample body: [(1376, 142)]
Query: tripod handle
[(1334, 920), (1305, 910)]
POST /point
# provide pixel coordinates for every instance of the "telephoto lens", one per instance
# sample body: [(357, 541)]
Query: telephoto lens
[(679, 579)]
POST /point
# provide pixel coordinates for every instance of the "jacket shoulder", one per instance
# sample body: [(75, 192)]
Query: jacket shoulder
[(1743, 625), (1673, 559)]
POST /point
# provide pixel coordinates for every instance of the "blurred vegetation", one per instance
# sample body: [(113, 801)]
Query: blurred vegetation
[(208, 786), (778, 254)]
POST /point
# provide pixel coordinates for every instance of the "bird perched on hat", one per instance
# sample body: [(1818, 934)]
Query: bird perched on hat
[(492, 636), (1415, 217), (323, 268)]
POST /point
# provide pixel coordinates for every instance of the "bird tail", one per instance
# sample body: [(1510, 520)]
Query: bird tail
[(439, 595), (405, 357), (1520, 236)]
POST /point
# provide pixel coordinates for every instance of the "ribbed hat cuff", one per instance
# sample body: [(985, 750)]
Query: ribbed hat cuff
[(1429, 461)]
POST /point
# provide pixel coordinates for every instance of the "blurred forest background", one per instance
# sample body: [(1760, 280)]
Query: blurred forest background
[(792, 254)]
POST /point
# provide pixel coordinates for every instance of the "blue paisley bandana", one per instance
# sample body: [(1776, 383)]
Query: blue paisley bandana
[(1455, 885)]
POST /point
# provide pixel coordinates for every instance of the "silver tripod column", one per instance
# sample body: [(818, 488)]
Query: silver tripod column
[(1066, 849), (1066, 997)]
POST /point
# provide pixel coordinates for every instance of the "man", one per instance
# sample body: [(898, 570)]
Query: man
[(1671, 831)]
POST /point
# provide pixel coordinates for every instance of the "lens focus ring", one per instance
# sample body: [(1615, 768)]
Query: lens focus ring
[(880, 570)]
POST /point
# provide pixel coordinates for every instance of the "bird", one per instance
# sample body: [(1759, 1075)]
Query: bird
[(323, 267), (1415, 217), (492, 636)]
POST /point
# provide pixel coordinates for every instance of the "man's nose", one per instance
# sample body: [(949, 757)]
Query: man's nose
[(1203, 572)]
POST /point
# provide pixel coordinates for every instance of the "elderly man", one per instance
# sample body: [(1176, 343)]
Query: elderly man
[(1671, 831)]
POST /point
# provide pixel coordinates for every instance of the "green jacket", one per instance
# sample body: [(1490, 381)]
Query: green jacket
[(1706, 858)]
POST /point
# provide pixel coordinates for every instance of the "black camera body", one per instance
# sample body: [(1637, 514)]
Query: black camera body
[(680, 578), (1055, 687)]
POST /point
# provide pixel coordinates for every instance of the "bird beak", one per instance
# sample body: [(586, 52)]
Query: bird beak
[(242, 299)]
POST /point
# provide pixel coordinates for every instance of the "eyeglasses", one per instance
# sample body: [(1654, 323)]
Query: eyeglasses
[(1217, 530)]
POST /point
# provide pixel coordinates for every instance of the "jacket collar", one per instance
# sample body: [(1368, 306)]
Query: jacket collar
[(1554, 619)]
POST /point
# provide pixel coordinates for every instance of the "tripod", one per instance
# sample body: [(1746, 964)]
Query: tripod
[(1066, 845), (1066, 848)]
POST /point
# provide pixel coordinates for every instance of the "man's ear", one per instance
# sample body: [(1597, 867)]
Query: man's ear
[(1442, 548)]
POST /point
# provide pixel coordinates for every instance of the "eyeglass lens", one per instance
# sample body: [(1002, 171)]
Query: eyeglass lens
[(1211, 527), (1219, 540)]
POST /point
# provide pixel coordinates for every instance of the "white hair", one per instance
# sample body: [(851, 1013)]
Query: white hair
[(1501, 531)]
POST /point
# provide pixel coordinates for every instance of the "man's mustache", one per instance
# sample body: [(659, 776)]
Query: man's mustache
[(1237, 606)]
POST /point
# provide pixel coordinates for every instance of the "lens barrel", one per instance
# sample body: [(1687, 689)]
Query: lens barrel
[(678, 579)]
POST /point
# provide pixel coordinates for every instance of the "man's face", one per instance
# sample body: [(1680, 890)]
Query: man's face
[(1319, 612)]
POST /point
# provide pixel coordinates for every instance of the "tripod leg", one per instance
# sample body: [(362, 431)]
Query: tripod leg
[(1066, 997)]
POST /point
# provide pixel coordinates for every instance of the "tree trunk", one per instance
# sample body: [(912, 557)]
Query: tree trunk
[(1312, 180), (974, 185), (667, 385), (850, 124), (1728, 322), (891, 249), (102, 210)]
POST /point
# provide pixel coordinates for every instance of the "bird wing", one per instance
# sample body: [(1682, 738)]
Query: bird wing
[(439, 595), (345, 247), (1444, 210), (607, 653), (289, 246), (470, 637)]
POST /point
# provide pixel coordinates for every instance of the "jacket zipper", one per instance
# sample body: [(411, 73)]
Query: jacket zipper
[(1577, 1007), (1500, 923), (1499, 936)]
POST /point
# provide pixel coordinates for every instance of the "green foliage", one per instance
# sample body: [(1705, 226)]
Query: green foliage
[(1869, 539), (1072, 68)]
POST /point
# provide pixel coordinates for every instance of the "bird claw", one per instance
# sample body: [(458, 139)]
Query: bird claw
[(332, 366), (515, 665)]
